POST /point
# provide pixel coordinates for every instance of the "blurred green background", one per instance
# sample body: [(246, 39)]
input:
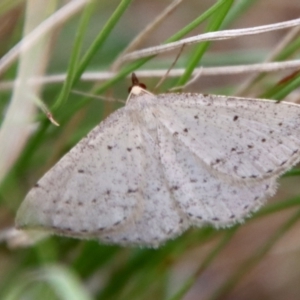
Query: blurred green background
[(256, 260)]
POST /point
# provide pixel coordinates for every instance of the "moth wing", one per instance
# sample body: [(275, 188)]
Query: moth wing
[(92, 189), (240, 138)]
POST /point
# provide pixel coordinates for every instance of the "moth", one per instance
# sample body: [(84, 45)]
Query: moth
[(166, 162)]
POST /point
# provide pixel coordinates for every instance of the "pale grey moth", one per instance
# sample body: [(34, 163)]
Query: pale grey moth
[(164, 163)]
